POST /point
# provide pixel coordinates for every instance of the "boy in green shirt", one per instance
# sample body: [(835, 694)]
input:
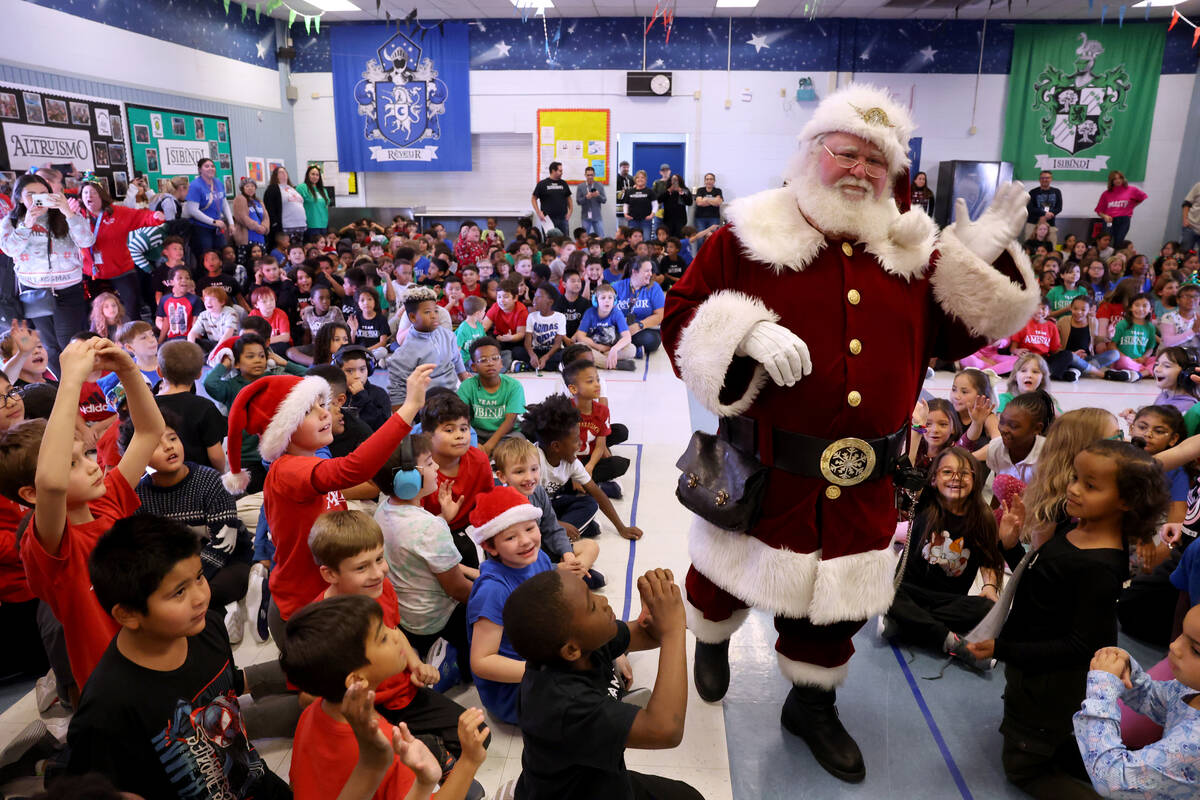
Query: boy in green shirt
[(495, 399), (470, 328)]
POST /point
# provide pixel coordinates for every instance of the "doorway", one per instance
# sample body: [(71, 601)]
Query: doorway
[(649, 156)]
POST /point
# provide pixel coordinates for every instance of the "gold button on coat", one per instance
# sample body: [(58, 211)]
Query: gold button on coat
[(853, 296), (855, 347), (854, 398), (847, 249), (833, 492)]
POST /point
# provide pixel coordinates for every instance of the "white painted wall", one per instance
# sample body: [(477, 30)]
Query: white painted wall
[(748, 144), (132, 59)]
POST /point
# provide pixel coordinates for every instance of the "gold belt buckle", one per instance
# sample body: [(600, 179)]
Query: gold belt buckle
[(847, 462)]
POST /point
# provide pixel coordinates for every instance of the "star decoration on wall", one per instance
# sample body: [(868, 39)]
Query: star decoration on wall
[(261, 47), (927, 53), (502, 49), (758, 41)]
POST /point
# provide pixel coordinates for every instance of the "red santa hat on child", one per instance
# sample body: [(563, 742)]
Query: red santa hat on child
[(867, 112), (271, 408), (498, 509)]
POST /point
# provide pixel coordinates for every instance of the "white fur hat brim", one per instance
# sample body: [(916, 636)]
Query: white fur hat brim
[(290, 414), (868, 112), (522, 513)]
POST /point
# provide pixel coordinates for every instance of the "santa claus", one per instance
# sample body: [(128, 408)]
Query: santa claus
[(806, 324)]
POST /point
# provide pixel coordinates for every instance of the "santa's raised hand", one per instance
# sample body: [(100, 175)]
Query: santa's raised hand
[(991, 234)]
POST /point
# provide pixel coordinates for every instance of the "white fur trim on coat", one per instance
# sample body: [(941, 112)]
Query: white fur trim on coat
[(772, 230), (706, 630), (289, 415), (847, 110), (235, 482), (525, 512), (708, 343), (801, 673), (790, 584), (979, 295)]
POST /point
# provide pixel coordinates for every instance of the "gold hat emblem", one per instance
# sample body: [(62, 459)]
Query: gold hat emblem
[(873, 116)]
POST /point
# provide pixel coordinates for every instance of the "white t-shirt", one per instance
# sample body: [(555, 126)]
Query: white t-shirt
[(418, 546), (1000, 463), (555, 478), (546, 329), (293, 208)]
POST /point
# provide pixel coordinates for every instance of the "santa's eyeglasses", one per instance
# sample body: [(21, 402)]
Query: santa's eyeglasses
[(875, 170)]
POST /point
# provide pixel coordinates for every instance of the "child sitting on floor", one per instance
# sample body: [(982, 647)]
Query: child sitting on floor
[(216, 322), (583, 382), (427, 342), (495, 399), (935, 427), (202, 428)]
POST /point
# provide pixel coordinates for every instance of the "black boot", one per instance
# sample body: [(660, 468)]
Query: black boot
[(810, 713), (711, 670)]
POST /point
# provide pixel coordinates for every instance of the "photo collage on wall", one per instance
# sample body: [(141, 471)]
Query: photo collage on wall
[(80, 136), (168, 142)]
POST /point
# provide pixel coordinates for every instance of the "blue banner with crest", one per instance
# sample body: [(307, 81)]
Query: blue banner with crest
[(402, 98)]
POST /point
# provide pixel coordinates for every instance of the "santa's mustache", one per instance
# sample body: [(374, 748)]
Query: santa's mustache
[(850, 180)]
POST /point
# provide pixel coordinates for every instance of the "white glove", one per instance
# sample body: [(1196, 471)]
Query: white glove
[(989, 236), (782, 353), (225, 540)]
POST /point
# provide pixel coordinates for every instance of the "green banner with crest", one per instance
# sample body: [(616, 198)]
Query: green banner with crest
[(1081, 100)]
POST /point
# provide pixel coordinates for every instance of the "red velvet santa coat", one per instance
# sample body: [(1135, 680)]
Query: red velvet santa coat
[(871, 319)]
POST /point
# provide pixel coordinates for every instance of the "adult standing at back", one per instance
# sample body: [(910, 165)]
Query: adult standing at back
[(639, 206), (1116, 205), (285, 206), (252, 223), (316, 201), (552, 199), (44, 239), (624, 181), (108, 258), (709, 198), (1191, 220), (590, 195), (674, 202), (208, 209), (657, 188), (1045, 204)]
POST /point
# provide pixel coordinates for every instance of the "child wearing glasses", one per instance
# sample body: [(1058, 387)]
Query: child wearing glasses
[(954, 539)]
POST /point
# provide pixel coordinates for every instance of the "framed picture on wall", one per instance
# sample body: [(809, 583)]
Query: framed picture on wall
[(222, 132), (156, 126), (224, 161), (198, 126), (100, 149), (118, 128), (178, 127), (116, 154), (80, 114), (213, 153), (56, 111), (121, 181), (33, 107), (256, 169), (151, 160), (229, 186), (272, 164), (141, 134), (8, 106), (103, 122)]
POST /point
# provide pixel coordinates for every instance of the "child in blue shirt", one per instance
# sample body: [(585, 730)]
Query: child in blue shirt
[(505, 524), (604, 330), (1168, 768)]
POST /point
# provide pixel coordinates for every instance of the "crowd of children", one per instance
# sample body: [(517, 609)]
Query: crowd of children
[(150, 526), (247, 508)]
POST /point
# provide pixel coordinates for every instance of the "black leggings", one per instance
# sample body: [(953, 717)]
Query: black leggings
[(649, 340), (24, 653), (925, 616), (229, 584), (454, 632)]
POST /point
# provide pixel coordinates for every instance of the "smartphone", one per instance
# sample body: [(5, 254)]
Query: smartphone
[(43, 200)]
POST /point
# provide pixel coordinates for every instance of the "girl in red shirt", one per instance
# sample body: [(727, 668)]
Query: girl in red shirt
[(108, 258)]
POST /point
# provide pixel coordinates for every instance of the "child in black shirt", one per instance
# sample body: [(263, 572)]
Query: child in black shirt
[(571, 303), (574, 728), (159, 715)]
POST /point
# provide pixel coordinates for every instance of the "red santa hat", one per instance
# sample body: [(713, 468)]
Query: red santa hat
[(498, 509), (270, 408), (868, 112)]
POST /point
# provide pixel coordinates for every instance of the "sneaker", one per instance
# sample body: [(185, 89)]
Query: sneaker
[(235, 621), (958, 651), (611, 489), (508, 790), (1072, 375), (929, 373), (258, 602), (641, 353), (476, 791), (45, 691), (590, 531), (1134, 375), (1120, 375), (518, 366), (886, 627), (594, 579), (626, 365)]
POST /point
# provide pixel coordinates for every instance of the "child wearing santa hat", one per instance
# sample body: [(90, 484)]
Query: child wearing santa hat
[(289, 415), (505, 524)]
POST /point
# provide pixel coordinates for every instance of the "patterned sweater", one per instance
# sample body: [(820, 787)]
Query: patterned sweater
[(200, 502)]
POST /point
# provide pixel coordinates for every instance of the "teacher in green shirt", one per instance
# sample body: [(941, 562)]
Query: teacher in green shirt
[(316, 202)]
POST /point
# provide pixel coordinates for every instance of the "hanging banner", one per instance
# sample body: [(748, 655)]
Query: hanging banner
[(402, 99), (167, 143), (77, 134), (1080, 100)]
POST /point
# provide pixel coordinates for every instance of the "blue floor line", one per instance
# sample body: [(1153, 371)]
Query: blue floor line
[(646, 371), (637, 488), (933, 728)]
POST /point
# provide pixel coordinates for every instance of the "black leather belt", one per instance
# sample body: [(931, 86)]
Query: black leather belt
[(844, 462)]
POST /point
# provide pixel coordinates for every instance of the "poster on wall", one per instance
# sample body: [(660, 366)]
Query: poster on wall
[(402, 101), (256, 170), (577, 137), (167, 143), (67, 130), (1080, 100)]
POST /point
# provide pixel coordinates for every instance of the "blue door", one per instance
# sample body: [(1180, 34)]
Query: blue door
[(650, 155)]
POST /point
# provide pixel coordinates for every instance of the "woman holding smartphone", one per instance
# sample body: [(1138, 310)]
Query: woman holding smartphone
[(44, 235)]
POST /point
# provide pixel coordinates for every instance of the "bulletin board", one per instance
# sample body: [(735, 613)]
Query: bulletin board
[(578, 137), (167, 143)]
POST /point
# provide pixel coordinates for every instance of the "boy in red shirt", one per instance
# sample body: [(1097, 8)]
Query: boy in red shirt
[(324, 639), (470, 280), (506, 320), (1039, 335), (43, 465), (348, 545), (179, 309), (289, 415), (464, 472), (583, 382)]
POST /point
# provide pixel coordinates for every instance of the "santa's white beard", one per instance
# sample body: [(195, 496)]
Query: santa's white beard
[(838, 213)]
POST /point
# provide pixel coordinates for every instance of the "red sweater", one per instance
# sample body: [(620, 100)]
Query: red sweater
[(1038, 337), (473, 479), (112, 241), (1120, 202), (299, 489), (14, 586)]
